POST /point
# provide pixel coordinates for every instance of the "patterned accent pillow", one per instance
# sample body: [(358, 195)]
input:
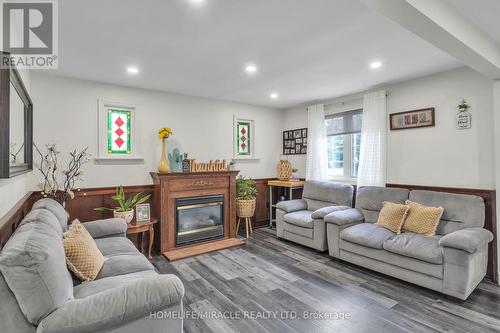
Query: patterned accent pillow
[(422, 219), (82, 255), (392, 216)]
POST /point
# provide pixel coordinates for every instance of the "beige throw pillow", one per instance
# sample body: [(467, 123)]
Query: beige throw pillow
[(422, 219), (392, 216), (82, 255)]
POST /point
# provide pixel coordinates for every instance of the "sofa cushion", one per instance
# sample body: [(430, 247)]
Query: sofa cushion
[(94, 287), (43, 216), (113, 246), (302, 218), (12, 319), (296, 230), (33, 264), (425, 248), (394, 259), (366, 234), (322, 212), (320, 194), (124, 264), (370, 200), (82, 255), (460, 210), (55, 208), (422, 219)]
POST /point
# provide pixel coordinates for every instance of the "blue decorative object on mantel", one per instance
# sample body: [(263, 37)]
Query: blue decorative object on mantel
[(175, 159)]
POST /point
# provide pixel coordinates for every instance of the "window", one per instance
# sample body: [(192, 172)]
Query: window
[(343, 132)]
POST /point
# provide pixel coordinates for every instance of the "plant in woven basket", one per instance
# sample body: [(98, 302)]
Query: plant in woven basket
[(246, 192), (245, 188)]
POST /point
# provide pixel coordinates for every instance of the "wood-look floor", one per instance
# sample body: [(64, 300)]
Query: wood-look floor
[(268, 282)]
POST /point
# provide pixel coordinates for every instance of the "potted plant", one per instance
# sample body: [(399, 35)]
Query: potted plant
[(125, 208), (245, 196)]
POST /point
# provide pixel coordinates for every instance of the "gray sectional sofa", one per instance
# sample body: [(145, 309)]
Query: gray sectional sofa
[(453, 261), (301, 221), (38, 294)]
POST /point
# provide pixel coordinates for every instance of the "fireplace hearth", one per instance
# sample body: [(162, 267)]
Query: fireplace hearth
[(198, 219)]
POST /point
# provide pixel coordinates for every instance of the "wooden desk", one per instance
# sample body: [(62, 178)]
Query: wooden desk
[(288, 184), (141, 228)]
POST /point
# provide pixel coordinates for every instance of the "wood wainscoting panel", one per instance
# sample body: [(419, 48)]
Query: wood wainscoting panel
[(10, 221), (490, 223), (261, 216)]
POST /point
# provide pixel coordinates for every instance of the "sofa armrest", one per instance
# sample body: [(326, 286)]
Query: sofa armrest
[(106, 228), (322, 212), (114, 307), (292, 205), (344, 217), (468, 239)]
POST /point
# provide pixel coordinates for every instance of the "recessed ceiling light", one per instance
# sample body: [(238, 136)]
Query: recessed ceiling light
[(375, 65), (251, 68), (132, 70), (197, 1), (274, 95)]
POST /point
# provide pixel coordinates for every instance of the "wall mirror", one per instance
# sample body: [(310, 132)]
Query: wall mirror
[(16, 123)]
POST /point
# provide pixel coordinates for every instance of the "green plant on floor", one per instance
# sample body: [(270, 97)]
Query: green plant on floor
[(124, 204), (245, 188)]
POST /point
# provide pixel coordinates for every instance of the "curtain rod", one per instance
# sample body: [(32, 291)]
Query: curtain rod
[(352, 99)]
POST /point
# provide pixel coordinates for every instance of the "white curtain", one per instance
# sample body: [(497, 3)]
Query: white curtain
[(317, 162), (372, 159)]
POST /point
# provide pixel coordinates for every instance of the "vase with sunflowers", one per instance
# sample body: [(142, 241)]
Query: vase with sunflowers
[(164, 133)]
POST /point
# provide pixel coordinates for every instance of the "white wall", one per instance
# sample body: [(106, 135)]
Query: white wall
[(66, 113), (440, 155)]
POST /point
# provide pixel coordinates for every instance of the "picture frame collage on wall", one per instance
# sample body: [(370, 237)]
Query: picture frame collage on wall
[(295, 141)]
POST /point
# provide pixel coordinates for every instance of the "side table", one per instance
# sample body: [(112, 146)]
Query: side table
[(141, 228), (287, 184)]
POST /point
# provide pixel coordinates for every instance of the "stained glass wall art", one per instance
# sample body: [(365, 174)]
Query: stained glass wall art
[(119, 133), (243, 141)]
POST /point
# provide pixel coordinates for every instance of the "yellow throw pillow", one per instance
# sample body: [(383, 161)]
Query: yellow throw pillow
[(422, 219), (82, 255), (392, 216)]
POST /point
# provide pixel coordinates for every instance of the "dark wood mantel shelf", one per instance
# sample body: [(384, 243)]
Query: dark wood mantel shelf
[(171, 186)]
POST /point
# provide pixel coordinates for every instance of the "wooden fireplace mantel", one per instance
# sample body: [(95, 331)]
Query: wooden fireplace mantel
[(171, 186)]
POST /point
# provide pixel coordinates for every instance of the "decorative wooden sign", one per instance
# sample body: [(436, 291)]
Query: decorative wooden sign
[(412, 119), (212, 166)]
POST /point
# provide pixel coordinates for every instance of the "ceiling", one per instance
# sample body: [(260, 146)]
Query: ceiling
[(305, 50), (484, 13)]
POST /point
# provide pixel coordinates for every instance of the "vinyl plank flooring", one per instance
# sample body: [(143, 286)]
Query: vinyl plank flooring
[(274, 285)]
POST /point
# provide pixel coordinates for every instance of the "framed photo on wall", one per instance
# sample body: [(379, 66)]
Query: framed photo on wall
[(295, 141), (412, 119)]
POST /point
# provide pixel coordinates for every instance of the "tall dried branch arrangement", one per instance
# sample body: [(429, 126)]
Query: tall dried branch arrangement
[(60, 184)]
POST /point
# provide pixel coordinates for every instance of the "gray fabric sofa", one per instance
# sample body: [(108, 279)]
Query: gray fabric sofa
[(38, 293), (301, 221), (452, 262)]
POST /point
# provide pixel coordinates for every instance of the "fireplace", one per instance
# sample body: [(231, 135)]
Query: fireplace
[(199, 219), (197, 212)]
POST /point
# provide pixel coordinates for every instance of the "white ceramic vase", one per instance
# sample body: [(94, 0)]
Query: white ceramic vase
[(127, 216)]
